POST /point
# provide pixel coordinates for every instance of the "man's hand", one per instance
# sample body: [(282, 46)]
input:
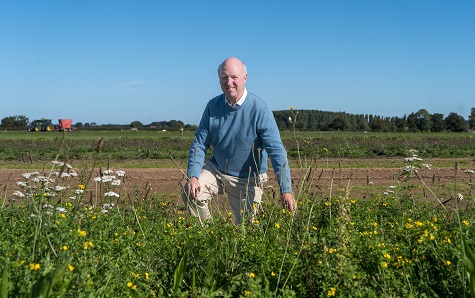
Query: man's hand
[(289, 201), (192, 188)]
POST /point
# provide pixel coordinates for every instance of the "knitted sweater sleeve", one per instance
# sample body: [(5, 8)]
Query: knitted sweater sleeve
[(200, 146), (274, 147)]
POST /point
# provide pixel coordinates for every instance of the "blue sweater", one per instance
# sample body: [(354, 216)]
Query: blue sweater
[(242, 137)]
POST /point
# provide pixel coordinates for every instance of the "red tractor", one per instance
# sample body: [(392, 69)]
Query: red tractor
[(47, 125)]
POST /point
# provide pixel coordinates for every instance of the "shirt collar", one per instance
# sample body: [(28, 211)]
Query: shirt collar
[(240, 101)]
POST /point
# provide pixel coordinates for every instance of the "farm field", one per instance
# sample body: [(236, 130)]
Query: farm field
[(380, 215)]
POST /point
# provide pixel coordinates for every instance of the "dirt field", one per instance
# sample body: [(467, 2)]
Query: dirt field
[(363, 182)]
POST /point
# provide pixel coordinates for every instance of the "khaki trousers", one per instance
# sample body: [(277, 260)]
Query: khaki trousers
[(244, 194)]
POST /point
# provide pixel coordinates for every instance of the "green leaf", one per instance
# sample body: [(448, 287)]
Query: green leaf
[(179, 274)]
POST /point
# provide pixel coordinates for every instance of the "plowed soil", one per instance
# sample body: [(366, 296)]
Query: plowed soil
[(361, 182)]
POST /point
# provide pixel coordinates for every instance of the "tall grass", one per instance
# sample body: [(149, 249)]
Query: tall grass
[(99, 238)]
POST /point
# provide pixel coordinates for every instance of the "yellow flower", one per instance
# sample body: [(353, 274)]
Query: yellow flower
[(63, 247), (130, 284), (81, 186), (277, 226), (81, 233), (146, 275), (465, 222), (291, 107), (256, 221), (332, 250), (247, 293), (134, 287), (35, 267), (331, 292), (384, 265), (447, 263), (70, 267), (252, 275), (272, 274), (62, 215), (387, 256)]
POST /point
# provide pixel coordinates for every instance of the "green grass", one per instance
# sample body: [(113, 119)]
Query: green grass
[(148, 246)]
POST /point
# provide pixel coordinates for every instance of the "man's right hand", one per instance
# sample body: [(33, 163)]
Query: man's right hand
[(192, 188)]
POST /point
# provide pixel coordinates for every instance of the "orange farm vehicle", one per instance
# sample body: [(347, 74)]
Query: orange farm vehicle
[(47, 125)]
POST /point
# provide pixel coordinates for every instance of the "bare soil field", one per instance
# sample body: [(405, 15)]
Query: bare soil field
[(361, 182)]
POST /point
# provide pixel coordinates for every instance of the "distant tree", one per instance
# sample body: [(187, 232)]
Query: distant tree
[(17, 122), (338, 124), (423, 121), (378, 125), (471, 119), (87, 125), (136, 124), (437, 122), (79, 125), (455, 122)]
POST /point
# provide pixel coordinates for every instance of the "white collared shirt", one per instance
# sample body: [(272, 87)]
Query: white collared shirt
[(240, 101)]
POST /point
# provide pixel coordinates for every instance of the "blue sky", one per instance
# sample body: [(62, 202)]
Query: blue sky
[(114, 62)]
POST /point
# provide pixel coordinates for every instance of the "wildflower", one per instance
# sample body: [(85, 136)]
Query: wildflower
[(247, 293), (79, 191), (331, 292), (146, 275), (252, 275), (18, 194), (70, 268), (97, 179), (87, 245), (384, 265), (331, 250), (469, 172), (81, 186), (272, 274), (64, 247), (277, 226), (35, 267), (120, 173), (291, 107), (81, 233), (387, 256), (111, 194), (256, 221), (59, 188), (447, 263), (129, 284), (459, 196), (426, 166), (115, 182), (465, 222)]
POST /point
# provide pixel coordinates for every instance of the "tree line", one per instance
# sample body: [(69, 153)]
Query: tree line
[(420, 121)]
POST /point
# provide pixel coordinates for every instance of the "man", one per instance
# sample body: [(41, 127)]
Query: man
[(243, 133)]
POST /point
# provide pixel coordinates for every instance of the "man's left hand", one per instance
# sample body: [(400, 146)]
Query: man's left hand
[(289, 201)]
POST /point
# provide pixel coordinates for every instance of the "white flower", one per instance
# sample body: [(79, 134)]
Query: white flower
[(426, 166), (58, 163), (385, 193), (73, 174), (111, 194), (65, 175), (104, 211), (410, 159), (97, 179), (18, 194), (106, 179), (79, 191), (107, 172), (22, 184), (459, 196), (120, 173), (69, 166), (61, 209), (115, 182), (469, 171), (59, 188), (392, 186), (72, 198)]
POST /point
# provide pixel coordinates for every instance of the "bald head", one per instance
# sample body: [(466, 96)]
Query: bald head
[(232, 75), (233, 62)]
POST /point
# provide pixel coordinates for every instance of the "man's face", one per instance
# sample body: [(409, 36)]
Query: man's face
[(232, 80)]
